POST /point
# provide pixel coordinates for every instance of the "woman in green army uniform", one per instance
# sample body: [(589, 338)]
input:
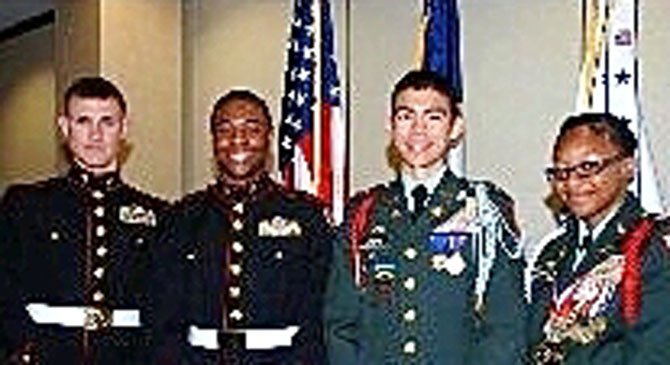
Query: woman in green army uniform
[(599, 289)]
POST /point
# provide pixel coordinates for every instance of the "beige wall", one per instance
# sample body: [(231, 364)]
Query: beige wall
[(28, 142), (230, 44), (521, 63), (655, 84), (140, 50)]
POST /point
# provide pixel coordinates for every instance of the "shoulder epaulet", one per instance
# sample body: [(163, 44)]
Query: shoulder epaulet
[(502, 200), (25, 189), (301, 195), (358, 215), (364, 195), (146, 196), (541, 253), (191, 200), (543, 246)]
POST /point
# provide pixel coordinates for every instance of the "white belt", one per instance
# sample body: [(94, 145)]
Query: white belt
[(255, 339), (91, 318)]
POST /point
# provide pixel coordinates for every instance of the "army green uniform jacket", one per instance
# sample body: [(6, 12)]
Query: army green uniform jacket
[(443, 288), (598, 334), (76, 268)]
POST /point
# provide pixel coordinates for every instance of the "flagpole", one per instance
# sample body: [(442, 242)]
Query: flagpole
[(347, 93), (318, 105), (607, 56), (642, 142)]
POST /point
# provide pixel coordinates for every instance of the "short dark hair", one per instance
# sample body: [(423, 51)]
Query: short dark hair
[(603, 124), (94, 87), (424, 79), (239, 94)]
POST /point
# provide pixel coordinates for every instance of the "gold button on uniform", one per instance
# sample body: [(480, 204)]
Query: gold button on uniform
[(99, 272), (234, 291), (237, 225), (411, 253), (410, 315), (237, 247), (409, 347), (410, 284), (101, 251), (100, 231), (236, 269), (54, 236), (236, 315), (99, 212), (98, 194), (98, 296)]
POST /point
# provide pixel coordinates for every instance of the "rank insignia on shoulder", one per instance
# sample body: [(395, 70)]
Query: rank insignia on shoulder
[(136, 214), (279, 227)]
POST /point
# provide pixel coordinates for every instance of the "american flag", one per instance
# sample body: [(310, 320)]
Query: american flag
[(313, 135)]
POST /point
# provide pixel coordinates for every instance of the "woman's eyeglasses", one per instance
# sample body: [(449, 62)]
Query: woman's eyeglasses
[(583, 170)]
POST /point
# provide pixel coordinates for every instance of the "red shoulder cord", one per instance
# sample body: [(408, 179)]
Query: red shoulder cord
[(634, 245), (359, 221)]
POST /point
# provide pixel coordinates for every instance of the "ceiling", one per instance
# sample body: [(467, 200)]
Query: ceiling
[(13, 11)]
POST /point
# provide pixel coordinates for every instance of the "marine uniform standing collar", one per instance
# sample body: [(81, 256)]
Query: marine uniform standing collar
[(231, 194), (83, 179)]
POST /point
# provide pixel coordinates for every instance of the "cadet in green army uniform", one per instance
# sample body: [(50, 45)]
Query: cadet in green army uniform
[(76, 251), (255, 256), (600, 284), (428, 270)]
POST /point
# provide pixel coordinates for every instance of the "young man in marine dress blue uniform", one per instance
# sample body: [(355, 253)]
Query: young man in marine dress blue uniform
[(600, 284), (427, 267), (254, 256), (77, 252)]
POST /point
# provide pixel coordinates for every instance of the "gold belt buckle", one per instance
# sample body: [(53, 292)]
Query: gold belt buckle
[(97, 318)]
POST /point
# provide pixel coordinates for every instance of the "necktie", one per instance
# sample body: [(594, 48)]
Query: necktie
[(582, 249), (419, 194)]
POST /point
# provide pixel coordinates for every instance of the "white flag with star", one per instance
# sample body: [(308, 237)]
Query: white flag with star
[(609, 81)]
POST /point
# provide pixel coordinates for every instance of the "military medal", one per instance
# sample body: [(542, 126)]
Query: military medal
[(577, 314), (446, 247), (454, 264)]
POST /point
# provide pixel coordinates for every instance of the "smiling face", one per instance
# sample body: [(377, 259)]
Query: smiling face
[(591, 193), (422, 127), (241, 137), (93, 129)]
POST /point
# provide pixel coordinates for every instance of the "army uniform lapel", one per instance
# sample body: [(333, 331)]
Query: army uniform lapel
[(608, 242), (566, 246), (448, 199)]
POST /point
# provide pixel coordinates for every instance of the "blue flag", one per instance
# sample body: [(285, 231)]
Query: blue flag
[(442, 43)]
